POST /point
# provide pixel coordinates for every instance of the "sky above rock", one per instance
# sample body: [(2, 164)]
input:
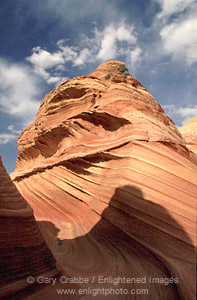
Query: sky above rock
[(45, 42)]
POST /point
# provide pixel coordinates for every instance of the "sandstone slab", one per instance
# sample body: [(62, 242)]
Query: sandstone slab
[(23, 252)]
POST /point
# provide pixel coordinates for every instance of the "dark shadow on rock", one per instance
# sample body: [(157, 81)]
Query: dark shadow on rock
[(146, 245)]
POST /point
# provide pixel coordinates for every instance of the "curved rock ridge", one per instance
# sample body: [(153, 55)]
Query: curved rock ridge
[(189, 132), (112, 183), (23, 250), (75, 117)]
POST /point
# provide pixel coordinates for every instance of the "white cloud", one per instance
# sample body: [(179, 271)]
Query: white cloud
[(114, 41), (10, 127), (7, 138), (170, 7), (108, 44), (182, 113), (43, 61), (19, 91), (56, 80), (180, 39), (126, 33), (69, 53), (188, 112), (179, 27), (110, 38), (11, 136), (13, 130), (135, 56), (83, 57)]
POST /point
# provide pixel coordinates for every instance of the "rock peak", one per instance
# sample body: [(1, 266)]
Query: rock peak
[(111, 65), (107, 171), (114, 70), (191, 122), (189, 132)]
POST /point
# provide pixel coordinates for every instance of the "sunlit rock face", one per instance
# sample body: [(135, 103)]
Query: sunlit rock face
[(23, 252), (112, 184), (189, 132)]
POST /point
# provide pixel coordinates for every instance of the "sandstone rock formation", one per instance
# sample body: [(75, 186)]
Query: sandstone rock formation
[(112, 184), (23, 252), (189, 132)]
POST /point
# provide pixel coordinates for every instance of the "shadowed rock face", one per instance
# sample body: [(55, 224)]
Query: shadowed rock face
[(23, 251), (112, 183), (189, 132)]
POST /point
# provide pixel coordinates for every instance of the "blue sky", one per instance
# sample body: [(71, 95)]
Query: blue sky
[(45, 42)]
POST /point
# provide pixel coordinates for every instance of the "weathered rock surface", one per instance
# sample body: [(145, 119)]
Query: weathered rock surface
[(112, 184), (23, 252), (189, 132)]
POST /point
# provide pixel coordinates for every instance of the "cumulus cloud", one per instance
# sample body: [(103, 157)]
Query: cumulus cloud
[(135, 56), (110, 38), (183, 114), (126, 33), (83, 56), (178, 32), (180, 39), (43, 61), (108, 44), (115, 41), (19, 91), (68, 52), (170, 7)]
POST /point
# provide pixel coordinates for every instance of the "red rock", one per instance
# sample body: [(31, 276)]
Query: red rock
[(112, 183), (23, 251), (189, 132)]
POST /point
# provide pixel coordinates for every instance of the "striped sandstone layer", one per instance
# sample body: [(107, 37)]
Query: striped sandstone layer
[(23, 251), (112, 184), (189, 132)]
